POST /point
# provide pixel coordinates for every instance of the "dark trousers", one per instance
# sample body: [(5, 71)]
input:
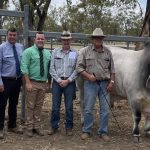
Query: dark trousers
[(11, 92)]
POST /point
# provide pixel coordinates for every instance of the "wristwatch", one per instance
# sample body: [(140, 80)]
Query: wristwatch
[(112, 81)]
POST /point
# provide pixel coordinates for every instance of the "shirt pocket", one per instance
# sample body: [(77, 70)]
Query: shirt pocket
[(106, 62), (58, 62), (8, 59), (89, 61)]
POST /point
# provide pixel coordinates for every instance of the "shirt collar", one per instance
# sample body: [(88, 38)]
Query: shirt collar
[(9, 44), (99, 51), (67, 51), (36, 47)]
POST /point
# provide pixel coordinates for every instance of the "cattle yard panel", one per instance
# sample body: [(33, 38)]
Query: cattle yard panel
[(55, 35)]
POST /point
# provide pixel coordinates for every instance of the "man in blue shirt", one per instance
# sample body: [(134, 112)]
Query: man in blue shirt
[(10, 80), (63, 72)]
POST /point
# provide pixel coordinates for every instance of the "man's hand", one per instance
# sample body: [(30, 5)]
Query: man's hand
[(64, 83), (91, 77), (1, 88), (110, 87), (29, 86), (48, 85)]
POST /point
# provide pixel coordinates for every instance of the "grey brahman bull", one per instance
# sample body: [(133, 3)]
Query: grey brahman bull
[(132, 71)]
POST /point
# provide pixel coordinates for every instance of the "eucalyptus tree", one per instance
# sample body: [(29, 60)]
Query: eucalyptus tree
[(37, 8), (114, 17), (3, 4)]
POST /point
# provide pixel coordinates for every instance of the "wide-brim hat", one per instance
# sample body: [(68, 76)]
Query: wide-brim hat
[(97, 33), (66, 35)]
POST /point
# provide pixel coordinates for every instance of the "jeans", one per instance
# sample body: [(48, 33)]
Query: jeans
[(91, 91), (57, 92)]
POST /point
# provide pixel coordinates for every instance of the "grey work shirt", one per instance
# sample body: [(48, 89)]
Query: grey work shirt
[(98, 63), (63, 64)]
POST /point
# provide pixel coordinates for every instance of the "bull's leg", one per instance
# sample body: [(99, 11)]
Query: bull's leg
[(146, 114), (81, 96), (136, 119), (147, 128), (80, 83)]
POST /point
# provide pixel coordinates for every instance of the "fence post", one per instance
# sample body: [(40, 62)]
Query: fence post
[(128, 43), (25, 38)]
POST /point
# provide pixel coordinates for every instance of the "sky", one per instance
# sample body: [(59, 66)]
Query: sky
[(143, 4)]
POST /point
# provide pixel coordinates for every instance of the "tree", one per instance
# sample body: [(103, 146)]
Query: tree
[(37, 8), (146, 26), (86, 15), (3, 4)]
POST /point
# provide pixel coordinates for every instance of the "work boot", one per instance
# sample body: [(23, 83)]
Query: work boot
[(17, 130), (1, 134), (38, 132), (85, 136), (52, 131), (105, 137), (69, 132), (29, 133)]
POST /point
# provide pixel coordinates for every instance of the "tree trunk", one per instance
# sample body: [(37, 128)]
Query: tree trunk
[(146, 27), (42, 16)]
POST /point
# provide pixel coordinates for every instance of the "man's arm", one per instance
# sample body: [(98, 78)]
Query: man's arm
[(52, 70), (81, 65), (25, 62)]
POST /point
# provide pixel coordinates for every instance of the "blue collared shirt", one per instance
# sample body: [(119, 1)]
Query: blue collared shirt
[(7, 60), (63, 64)]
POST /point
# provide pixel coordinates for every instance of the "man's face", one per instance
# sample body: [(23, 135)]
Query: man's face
[(97, 41), (12, 37), (39, 40), (66, 44)]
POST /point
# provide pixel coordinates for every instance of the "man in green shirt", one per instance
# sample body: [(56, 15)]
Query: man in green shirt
[(34, 67)]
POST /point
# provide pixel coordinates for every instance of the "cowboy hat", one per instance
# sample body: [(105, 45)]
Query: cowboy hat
[(66, 35), (98, 33)]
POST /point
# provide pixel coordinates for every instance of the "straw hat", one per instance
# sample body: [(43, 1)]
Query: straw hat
[(98, 33), (66, 35)]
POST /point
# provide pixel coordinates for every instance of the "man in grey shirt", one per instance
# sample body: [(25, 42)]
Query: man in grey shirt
[(10, 80), (62, 70), (96, 66)]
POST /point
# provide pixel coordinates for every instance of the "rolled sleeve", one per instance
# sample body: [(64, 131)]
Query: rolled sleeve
[(80, 66), (25, 61), (73, 76)]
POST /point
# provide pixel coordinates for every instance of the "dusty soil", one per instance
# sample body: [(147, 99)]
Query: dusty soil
[(120, 139)]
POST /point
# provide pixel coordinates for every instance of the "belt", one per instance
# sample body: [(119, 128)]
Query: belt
[(37, 81), (11, 78), (64, 78), (102, 80), (99, 81)]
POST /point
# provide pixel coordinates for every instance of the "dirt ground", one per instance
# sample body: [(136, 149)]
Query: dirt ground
[(120, 139)]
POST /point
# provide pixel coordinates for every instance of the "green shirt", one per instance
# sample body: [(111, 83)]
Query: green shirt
[(30, 63)]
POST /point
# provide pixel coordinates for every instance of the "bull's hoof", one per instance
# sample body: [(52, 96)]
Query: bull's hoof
[(147, 134), (137, 138)]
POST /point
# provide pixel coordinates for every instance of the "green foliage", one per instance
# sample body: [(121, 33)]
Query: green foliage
[(115, 17), (118, 17)]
